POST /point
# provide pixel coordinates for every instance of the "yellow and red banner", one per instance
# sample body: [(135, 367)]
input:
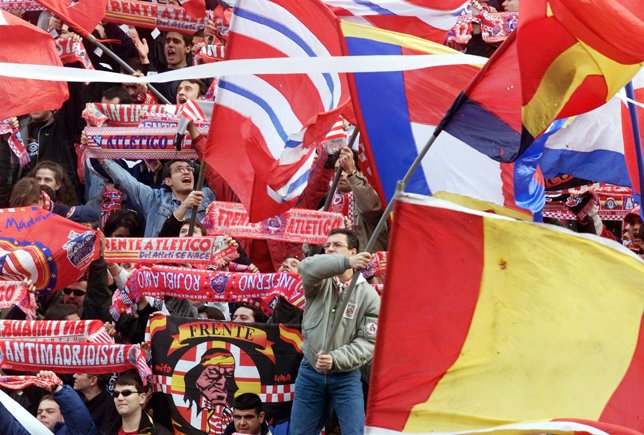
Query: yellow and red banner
[(512, 328)]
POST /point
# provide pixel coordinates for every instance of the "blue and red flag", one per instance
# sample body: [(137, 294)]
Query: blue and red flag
[(265, 127), (579, 66), (399, 112)]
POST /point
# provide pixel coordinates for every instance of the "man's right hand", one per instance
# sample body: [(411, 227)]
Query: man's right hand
[(194, 199), (360, 260)]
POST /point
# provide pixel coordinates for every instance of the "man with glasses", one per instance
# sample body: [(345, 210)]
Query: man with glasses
[(130, 398), (158, 204), (329, 376)]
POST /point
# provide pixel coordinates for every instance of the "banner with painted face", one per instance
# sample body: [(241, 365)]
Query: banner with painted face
[(201, 365), (49, 249)]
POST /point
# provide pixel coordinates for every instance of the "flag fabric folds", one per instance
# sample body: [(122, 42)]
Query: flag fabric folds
[(416, 102), (592, 146), (25, 43), (428, 19), (81, 15), (49, 249), (513, 323), (265, 127), (577, 68)]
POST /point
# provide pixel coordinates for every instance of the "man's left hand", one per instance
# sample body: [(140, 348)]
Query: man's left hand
[(324, 361)]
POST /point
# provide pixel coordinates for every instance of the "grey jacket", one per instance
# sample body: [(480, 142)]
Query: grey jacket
[(354, 344)]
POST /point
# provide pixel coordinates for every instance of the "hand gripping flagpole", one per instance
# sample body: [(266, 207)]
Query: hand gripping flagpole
[(400, 187)]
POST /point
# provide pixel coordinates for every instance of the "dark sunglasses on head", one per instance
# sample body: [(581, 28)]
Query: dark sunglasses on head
[(125, 393), (69, 291)]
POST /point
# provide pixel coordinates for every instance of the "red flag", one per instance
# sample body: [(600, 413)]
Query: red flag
[(83, 15), (49, 249), (24, 43), (195, 8), (279, 119), (508, 330)]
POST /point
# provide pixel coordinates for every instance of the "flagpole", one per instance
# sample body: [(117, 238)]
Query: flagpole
[(637, 139), (124, 65), (400, 187)]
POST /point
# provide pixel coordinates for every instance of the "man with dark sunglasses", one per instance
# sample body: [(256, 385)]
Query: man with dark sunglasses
[(74, 294), (130, 398)]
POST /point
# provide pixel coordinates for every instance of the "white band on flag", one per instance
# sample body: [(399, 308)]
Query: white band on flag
[(246, 66)]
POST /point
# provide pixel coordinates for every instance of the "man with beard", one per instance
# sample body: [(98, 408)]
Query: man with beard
[(157, 204), (214, 379)]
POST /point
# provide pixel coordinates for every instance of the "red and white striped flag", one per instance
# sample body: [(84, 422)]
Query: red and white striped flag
[(428, 19)]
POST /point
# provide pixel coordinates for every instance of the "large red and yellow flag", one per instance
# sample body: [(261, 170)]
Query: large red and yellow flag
[(567, 57), (512, 328), (576, 55)]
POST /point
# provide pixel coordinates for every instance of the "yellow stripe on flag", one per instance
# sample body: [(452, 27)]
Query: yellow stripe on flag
[(352, 30), (562, 78), (526, 346)]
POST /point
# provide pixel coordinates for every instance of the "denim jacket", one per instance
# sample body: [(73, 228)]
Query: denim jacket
[(157, 204)]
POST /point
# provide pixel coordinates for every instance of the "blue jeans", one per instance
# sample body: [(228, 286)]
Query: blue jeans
[(317, 394)]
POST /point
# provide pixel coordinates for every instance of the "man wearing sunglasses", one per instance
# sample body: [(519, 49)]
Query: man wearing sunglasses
[(130, 398), (74, 294)]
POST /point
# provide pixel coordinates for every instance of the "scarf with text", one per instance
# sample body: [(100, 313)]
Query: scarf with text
[(66, 357), (295, 225), (343, 203), (136, 143), (165, 17), (191, 250), (92, 331), (16, 294), (263, 289)]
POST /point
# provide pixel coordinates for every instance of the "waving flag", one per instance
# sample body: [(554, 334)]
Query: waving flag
[(512, 331), (592, 146), (633, 138), (23, 43), (49, 249), (195, 8), (428, 19), (265, 128), (577, 68), (416, 102), (82, 15)]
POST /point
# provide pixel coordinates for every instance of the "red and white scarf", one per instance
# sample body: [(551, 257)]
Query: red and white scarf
[(343, 203), (15, 142)]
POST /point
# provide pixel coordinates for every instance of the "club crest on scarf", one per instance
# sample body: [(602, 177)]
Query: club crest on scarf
[(202, 365), (80, 248)]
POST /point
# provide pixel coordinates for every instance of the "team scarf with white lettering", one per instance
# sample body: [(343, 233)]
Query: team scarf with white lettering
[(22, 382), (264, 289), (69, 357), (209, 54), (15, 142), (136, 143), (165, 17), (16, 294), (296, 225), (92, 331), (154, 250), (123, 115)]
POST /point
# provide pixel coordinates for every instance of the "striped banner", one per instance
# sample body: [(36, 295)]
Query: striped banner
[(136, 143), (165, 17)]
